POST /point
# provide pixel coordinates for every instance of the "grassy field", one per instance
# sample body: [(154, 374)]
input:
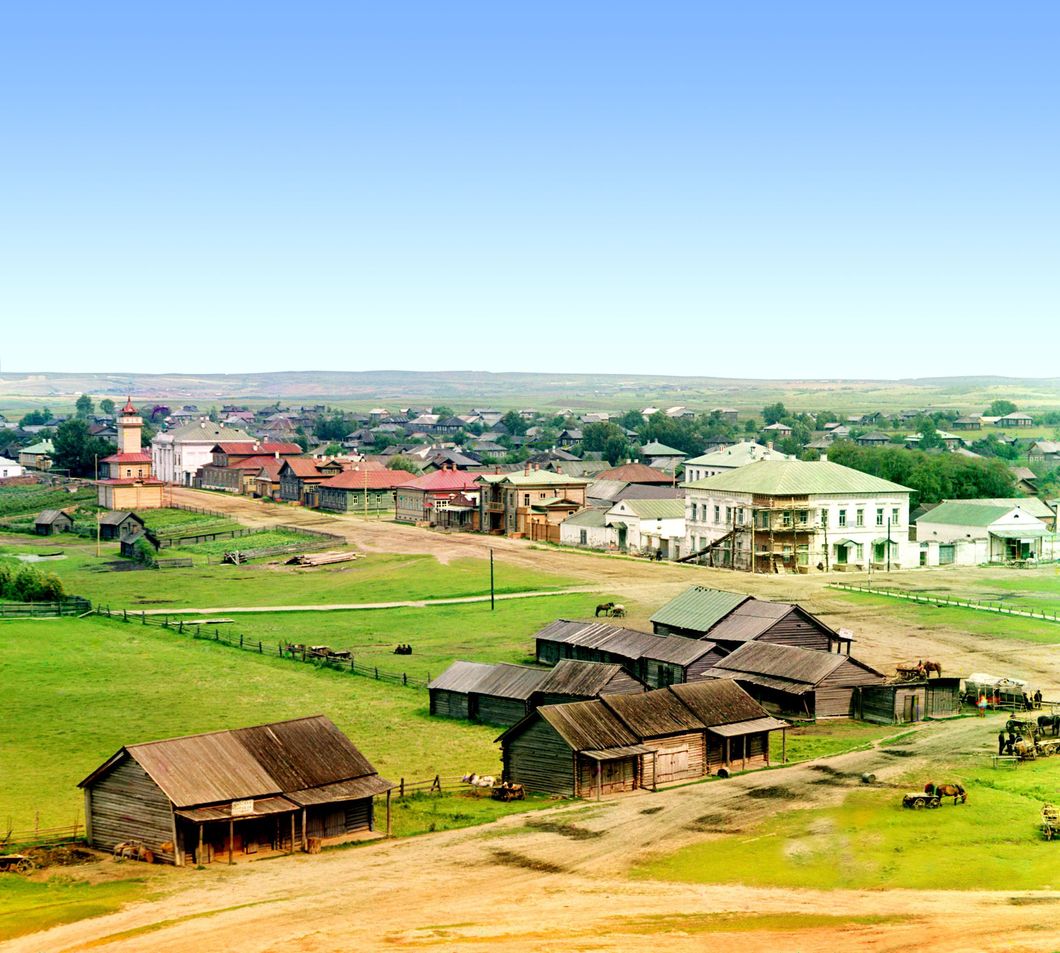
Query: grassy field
[(214, 549), (15, 500), (870, 841), (173, 522), (378, 578), (806, 742)]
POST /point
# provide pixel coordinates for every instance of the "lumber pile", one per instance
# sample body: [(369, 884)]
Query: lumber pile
[(323, 559)]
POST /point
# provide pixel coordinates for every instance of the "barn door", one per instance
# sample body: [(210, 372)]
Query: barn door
[(910, 708)]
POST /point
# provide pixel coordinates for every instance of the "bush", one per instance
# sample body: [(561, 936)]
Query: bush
[(26, 584), (144, 553)]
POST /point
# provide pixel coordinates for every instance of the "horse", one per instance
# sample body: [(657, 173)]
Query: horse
[(618, 611), (928, 666), (1052, 722), (605, 608), (908, 670), (954, 791)]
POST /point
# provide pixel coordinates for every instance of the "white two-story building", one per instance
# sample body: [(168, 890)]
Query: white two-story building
[(794, 515)]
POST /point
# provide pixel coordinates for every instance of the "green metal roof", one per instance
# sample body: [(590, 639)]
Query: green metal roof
[(45, 446), (590, 518), (1029, 504), (533, 478), (797, 478), (664, 509), (656, 449), (962, 513), (698, 608)]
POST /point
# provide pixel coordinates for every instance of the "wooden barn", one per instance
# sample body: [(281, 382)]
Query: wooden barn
[(256, 790), (896, 703), (655, 660), (797, 681), (120, 524), (622, 742), (498, 694), (730, 619), (50, 522), (573, 680)]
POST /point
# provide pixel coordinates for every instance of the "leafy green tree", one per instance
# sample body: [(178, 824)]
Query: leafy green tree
[(595, 436), (617, 450), (84, 406), (1000, 407), (631, 420), (399, 462), (36, 418), (301, 439), (929, 438), (773, 413), (334, 427), (106, 406), (515, 424), (76, 450), (443, 411)]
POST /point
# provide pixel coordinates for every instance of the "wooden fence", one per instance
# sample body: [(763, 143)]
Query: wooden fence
[(73, 605), (342, 662), (945, 601), (12, 841)]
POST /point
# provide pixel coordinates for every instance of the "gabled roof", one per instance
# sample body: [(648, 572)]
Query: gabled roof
[(626, 643), (717, 702), (593, 517), (577, 677), (656, 449), (47, 517), (301, 467), (204, 431), (671, 508), (653, 714), (460, 676), (785, 662), (443, 480), (698, 608), (636, 473), (738, 455), (797, 477), (140, 457), (963, 513), (117, 517), (588, 725), (522, 478), (45, 446), (504, 680), (372, 479)]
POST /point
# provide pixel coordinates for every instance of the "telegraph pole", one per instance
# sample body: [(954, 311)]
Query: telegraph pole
[(493, 603)]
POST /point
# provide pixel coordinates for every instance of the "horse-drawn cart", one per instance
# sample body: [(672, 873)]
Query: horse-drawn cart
[(1050, 822), (506, 791), (918, 800), (15, 863)]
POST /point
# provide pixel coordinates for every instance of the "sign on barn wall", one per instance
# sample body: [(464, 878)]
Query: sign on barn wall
[(242, 808)]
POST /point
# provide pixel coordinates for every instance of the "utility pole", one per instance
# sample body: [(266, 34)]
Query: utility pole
[(98, 516), (888, 544), (493, 603)]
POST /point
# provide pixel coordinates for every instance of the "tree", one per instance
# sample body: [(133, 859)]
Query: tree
[(334, 427), (1000, 407), (617, 449), (399, 462), (301, 439), (631, 420), (106, 406), (36, 418), (514, 423), (84, 406), (76, 450), (773, 413), (595, 436), (929, 438), (443, 411)]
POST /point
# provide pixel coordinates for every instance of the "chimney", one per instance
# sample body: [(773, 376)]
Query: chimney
[(769, 444), (526, 469), (824, 458)]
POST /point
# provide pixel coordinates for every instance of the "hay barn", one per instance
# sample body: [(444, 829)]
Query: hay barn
[(270, 788), (896, 703)]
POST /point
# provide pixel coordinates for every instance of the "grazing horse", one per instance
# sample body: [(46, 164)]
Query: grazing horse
[(1052, 722), (928, 666), (954, 791), (605, 608)]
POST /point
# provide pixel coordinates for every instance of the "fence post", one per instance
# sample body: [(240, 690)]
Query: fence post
[(279, 649), (377, 673), (124, 615), (143, 617), (404, 679), (241, 641), (259, 647), (401, 789)]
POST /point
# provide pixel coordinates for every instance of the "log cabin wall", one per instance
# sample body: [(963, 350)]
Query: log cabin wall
[(539, 759), (616, 777), (680, 758), (446, 704), (125, 804), (799, 630), (497, 711)]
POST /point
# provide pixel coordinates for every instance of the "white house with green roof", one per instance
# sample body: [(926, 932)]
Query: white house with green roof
[(973, 532), (589, 529), (38, 456), (730, 458), (652, 526), (794, 515)]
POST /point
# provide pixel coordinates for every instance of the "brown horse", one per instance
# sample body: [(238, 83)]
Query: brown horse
[(928, 666), (954, 791)]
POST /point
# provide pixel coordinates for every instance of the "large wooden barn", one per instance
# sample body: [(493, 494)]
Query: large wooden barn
[(656, 660), (502, 694), (895, 703), (798, 681), (254, 790), (619, 743), (730, 619)]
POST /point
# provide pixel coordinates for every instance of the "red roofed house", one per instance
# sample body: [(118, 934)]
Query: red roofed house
[(235, 466), (363, 489), (422, 499), (639, 473), (127, 482), (300, 477)]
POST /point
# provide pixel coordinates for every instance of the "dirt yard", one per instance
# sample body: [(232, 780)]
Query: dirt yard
[(556, 881), (880, 639)]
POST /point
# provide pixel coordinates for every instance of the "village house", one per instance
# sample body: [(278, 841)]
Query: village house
[(649, 526), (177, 455), (729, 458), (530, 502), (639, 473), (624, 742), (421, 499), (874, 438), (662, 457), (38, 456), (235, 466), (590, 529), (361, 490), (972, 532), (797, 515), (300, 477), (1017, 418), (127, 481), (969, 422), (797, 681), (1045, 452), (278, 787), (729, 619), (9, 469), (120, 525), (50, 522)]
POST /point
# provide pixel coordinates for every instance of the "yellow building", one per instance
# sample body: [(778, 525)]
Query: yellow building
[(127, 482)]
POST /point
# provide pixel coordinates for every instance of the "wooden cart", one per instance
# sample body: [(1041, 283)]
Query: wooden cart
[(1050, 822)]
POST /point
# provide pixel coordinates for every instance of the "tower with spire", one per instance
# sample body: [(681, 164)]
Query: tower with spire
[(126, 481)]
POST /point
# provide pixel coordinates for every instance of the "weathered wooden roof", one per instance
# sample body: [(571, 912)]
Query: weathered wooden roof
[(47, 517), (117, 517), (587, 726), (717, 701), (292, 758), (678, 650), (653, 714), (510, 681), (750, 620), (575, 677), (460, 676), (766, 723), (787, 662)]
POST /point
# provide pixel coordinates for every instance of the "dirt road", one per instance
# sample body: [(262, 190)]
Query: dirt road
[(525, 884), (881, 641)]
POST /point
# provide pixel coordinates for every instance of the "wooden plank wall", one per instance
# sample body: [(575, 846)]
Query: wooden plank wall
[(680, 758), (446, 704), (498, 711), (127, 805), (795, 629), (539, 759)]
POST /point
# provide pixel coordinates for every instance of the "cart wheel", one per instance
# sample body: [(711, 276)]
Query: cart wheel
[(934, 802), (1047, 833), (918, 804)]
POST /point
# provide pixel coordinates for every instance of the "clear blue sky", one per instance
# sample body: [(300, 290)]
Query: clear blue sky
[(779, 189)]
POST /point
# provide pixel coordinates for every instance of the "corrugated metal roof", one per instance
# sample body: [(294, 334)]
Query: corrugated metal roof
[(575, 677), (656, 449), (636, 473), (261, 761), (461, 676), (594, 518), (960, 513), (653, 714), (698, 608), (717, 701), (588, 726), (797, 478), (738, 455)]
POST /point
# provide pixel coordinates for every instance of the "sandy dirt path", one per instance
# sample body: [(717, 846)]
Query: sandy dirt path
[(881, 640), (513, 886)]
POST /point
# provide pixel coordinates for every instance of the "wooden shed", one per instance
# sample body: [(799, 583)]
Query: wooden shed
[(656, 660), (895, 703), (622, 742), (574, 680), (798, 681), (233, 793), (499, 694), (120, 524), (50, 522)]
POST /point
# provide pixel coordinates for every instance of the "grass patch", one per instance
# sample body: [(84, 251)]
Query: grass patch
[(652, 925), (15, 500), (426, 813), (871, 841), (27, 906), (825, 738), (218, 547)]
